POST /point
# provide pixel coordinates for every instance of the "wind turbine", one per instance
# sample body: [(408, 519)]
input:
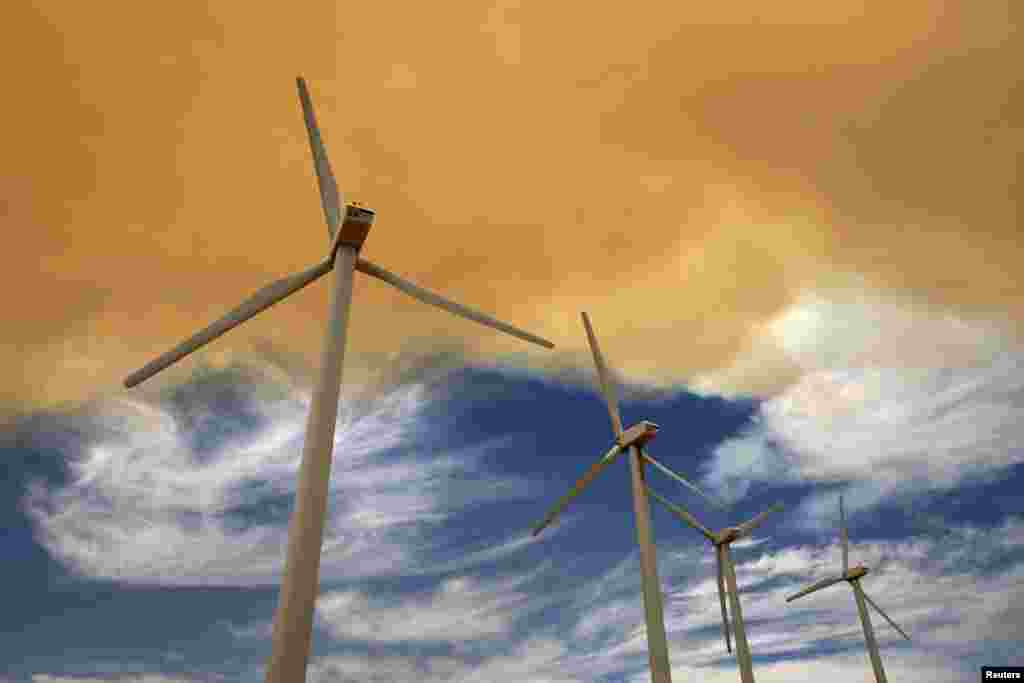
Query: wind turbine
[(723, 559), (633, 441), (347, 230), (853, 577)]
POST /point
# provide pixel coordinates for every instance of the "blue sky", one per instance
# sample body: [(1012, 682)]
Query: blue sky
[(145, 535)]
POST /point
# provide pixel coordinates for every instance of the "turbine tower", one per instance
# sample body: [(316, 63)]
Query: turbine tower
[(347, 229), (632, 441), (853, 577), (723, 559)]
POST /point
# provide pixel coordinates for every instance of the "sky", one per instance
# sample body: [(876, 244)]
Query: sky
[(796, 231)]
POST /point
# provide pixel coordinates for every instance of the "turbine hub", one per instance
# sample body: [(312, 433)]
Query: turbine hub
[(355, 226), (637, 435)]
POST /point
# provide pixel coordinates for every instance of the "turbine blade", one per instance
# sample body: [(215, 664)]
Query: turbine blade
[(603, 378), (884, 615), (682, 480), (844, 539), (260, 301), (594, 470), (330, 198), (824, 583), (427, 297), (683, 515), (747, 527), (721, 598)]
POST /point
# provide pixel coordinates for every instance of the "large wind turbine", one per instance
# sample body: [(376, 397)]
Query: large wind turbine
[(293, 620), (853, 577), (633, 441), (723, 559)]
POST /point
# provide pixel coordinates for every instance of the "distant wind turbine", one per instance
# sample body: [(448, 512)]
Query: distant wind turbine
[(633, 441), (726, 569), (853, 577), (293, 619)]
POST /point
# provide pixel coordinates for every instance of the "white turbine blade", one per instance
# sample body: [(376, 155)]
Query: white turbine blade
[(747, 527), (428, 297), (844, 540), (682, 480), (260, 301), (594, 470), (330, 198), (603, 378), (683, 515), (884, 615), (721, 598), (824, 583)]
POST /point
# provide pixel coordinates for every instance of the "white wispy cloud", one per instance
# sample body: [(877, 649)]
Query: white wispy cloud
[(143, 504), (538, 660), (953, 613), (461, 608), (144, 678), (841, 668), (892, 400), (954, 610)]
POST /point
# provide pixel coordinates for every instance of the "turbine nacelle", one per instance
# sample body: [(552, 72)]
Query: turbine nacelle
[(728, 535), (354, 228), (855, 573), (637, 435)]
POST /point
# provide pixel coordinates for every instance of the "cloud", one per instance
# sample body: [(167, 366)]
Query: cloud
[(850, 327), (841, 668), (957, 614), (534, 661), (461, 608), (893, 401), (170, 493), (643, 192), (144, 678)]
